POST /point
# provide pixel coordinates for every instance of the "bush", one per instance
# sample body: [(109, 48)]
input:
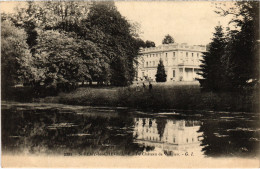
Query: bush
[(184, 97)]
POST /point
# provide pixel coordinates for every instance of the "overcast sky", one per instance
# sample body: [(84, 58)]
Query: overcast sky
[(187, 22)]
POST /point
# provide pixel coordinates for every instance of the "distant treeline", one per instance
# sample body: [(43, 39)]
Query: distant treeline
[(57, 44)]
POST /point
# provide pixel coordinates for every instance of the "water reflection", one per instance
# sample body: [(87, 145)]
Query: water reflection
[(59, 129), (170, 137)]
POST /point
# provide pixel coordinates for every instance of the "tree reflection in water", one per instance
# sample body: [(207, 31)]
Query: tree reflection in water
[(232, 137), (84, 131), (52, 131)]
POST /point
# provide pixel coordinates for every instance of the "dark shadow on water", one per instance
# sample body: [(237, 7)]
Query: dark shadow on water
[(86, 131)]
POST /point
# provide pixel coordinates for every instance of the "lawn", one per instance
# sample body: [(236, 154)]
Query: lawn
[(162, 96)]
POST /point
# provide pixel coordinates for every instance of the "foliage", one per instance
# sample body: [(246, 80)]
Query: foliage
[(168, 39), (63, 59), (161, 126), (160, 75), (241, 59), (232, 61), (163, 96), (211, 68), (117, 41), (78, 41), (149, 44), (236, 59), (15, 56)]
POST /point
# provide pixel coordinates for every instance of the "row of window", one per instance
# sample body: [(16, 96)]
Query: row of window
[(166, 54), (155, 63), (174, 140)]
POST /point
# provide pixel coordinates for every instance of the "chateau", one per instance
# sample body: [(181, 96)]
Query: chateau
[(181, 61)]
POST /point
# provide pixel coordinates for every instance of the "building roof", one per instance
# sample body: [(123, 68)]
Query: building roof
[(172, 47)]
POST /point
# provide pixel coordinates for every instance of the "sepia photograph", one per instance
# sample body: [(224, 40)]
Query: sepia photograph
[(130, 84)]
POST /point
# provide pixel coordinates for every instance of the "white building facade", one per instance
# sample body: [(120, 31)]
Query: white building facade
[(181, 61), (177, 137)]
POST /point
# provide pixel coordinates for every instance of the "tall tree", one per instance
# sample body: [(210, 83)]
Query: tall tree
[(161, 123), (107, 44), (168, 39), (160, 75), (15, 56), (118, 42), (212, 68), (241, 59)]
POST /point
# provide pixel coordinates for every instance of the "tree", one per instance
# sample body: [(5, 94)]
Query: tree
[(161, 126), (241, 59), (149, 44), (115, 39), (101, 44), (160, 75), (15, 56), (212, 68), (63, 59), (168, 39)]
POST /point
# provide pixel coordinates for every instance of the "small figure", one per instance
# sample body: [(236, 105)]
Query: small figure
[(150, 86), (137, 87), (144, 87)]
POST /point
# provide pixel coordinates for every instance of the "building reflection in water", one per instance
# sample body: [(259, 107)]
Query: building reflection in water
[(170, 137)]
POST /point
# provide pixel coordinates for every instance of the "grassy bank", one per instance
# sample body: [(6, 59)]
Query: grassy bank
[(186, 97)]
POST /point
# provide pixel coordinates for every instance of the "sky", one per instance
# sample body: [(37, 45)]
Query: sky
[(187, 22)]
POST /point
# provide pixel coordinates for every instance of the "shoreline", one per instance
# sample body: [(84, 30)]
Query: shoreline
[(161, 97), (146, 111)]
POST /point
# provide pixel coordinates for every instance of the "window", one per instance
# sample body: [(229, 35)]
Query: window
[(153, 55), (154, 63), (146, 64), (174, 139), (150, 55), (191, 54), (186, 54), (173, 53), (197, 55), (165, 54), (173, 73), (187, 140), (150, 63)]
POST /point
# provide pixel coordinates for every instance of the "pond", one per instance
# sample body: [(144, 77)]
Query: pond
[(56, 129)]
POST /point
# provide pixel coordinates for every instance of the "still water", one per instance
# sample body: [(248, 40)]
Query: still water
[(55, 129)]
